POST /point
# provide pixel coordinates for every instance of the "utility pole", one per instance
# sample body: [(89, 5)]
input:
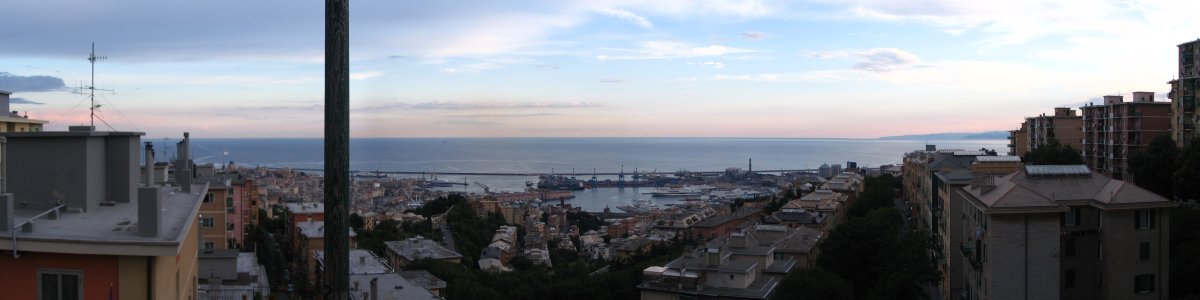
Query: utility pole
[(337, 149)]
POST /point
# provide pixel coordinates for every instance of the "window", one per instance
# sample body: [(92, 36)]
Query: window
[(208, 198), (60, 284), (1069, 279), (1144, 251), (1073, 217), (206, 222), (209, 245), (730, 276), (1143, 219), (1143, 284), (1069, 247)]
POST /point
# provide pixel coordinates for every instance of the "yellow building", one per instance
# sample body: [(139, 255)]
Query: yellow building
[(94, 234), (11, 121)]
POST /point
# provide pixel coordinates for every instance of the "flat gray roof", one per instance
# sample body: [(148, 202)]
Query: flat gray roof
[(316, 229), (111, 230), (306, 208), (419, 247), (388, 286), (361, 262)]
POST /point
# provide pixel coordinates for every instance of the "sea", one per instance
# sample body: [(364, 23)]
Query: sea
[(433, 156)]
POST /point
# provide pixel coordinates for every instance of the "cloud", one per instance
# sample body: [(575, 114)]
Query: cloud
[(36, 83), (626, 15), (504, 115), (754, 35), (450, 105), (671, 49), (714, 64), (23, 101), (472, 68), (811, 76), (365, 75), (612, 80), (874, 60)]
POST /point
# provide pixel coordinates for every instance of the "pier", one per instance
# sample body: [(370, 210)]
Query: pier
[(540, 174)]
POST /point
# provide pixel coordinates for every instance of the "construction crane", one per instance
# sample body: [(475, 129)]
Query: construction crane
[(486, 189)]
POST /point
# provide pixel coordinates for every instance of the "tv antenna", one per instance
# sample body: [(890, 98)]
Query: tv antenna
[(91, 88)]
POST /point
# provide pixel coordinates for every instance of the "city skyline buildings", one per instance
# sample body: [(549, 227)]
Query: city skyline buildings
[(674, 68)]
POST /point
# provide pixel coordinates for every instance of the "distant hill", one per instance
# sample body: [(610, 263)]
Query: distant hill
[(986, 135)]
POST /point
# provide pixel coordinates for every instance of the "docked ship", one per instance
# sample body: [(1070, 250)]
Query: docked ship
[(555, 182), (690, 191), (638, 206)]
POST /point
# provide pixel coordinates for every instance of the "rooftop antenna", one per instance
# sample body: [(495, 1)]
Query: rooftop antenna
[(91, 88)]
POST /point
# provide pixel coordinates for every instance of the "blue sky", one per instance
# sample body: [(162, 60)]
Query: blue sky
[(821, 68)]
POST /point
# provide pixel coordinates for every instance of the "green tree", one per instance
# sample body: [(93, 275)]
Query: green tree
[(1154, 167), (814, 283), (356, 222), (1053, 153), (1187, 172)]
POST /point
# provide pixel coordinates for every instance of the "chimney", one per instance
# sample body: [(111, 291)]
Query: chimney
[(1143, 97), (1113, 99), (713, 256), (1063, 112), (985, 184), (4, 100), (148, 208), (7, 215), (149, 164), (362, 260), (375, 288), (183, 167)]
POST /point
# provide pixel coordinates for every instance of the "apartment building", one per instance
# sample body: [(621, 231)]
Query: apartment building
[(919, 178), (735, 266), (946, 181), (400, 253), (1063, 126), (1114, 130), (1184, 91), (77, 223), (1018, 140), (12, 121), (1063, 232)]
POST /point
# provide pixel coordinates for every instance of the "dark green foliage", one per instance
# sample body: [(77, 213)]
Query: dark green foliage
[(814, 284), (356, 222), (1151, 168), (877, 193), (873, 252), (1187, 172), (373, 240), (1053, 153), (584, 220)]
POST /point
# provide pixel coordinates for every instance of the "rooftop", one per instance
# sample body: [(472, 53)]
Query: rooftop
[(306, 208), (1000, 158), (423, 279), (316, 229), (110, 229), (361, 262), (718, 220), (1058, 186), (388, 286), (419, 247)]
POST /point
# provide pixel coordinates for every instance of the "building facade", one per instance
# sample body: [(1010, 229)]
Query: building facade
[(1114, 130), (1063, 232), (1063, 126), (12, 121), (83, 226), (1184, 90)]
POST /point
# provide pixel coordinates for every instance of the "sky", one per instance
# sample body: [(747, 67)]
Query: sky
[(664, 68)]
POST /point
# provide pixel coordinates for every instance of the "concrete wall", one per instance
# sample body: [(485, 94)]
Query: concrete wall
[(19, 278), (40, 168), (123, 159), (1022, 256), (1121, 262)]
